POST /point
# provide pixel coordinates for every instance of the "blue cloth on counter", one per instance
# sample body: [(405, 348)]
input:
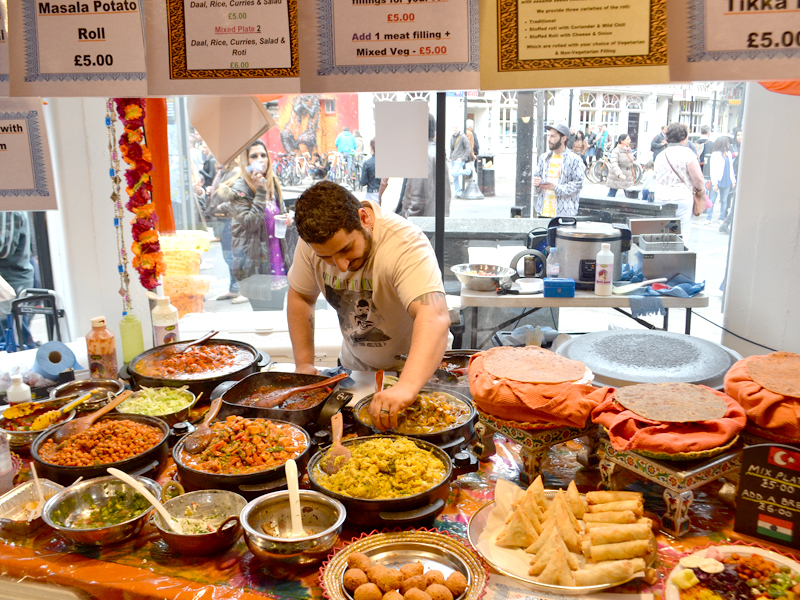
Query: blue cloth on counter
[(680, 287), (644, 306), (345, 383)]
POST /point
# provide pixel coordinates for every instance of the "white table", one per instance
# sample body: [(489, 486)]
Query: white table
[(582, 299)]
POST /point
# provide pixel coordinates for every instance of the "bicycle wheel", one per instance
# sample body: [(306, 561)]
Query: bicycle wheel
[(590, 174), (355, 177), (638, 171), (600, 171)]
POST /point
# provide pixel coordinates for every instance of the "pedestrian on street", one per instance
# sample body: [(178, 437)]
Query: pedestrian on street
[(460, 154), (659, 142), (723, 179), (736, 148), (678, 175), (558, 178), (580, 146), (620, 173)]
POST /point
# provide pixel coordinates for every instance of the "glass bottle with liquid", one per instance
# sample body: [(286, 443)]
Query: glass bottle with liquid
[(553, 269), (102, 350)]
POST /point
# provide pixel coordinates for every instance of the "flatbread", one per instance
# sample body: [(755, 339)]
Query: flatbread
[(672, 402), (531, 364), (778, 372)]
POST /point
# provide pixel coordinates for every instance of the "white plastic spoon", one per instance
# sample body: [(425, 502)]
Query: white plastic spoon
[(294, 499), (169, 520), (38, 510)]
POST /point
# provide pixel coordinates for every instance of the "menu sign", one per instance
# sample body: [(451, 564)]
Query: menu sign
[(211, 43), (374, 45), (538, 43), (26, 177), (3, 50), (768, 500), (77, 48), (734, 39)]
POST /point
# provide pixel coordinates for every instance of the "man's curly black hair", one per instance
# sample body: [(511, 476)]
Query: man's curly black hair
[(325, 208)]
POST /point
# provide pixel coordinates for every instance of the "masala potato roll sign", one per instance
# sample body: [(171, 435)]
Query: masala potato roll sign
[(671, 402)]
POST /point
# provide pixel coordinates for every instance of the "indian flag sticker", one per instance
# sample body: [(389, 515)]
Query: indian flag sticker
[(775, 528)]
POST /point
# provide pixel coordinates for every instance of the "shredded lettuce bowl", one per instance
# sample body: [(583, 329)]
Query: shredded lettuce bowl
[(159, 402)]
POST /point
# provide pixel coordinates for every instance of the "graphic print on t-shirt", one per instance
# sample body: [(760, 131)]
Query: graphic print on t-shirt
[(357, 316)]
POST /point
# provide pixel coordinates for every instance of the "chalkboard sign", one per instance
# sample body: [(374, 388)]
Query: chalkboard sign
[(768, 500)]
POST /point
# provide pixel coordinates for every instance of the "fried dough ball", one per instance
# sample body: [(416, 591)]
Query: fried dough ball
[(439, 592), (416, 594), (354, 578), (393, 595), (412, 569), (368, 591), (418, 582), (374, 572), (434, 576), (359, 560), (389, 579), (456, 583)]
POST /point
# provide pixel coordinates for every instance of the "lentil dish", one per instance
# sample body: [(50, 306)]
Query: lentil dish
[(384, 468), (198, 362), (240, 446), (105, 442), (431, 412)]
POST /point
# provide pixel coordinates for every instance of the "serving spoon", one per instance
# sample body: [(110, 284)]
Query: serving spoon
[(76, 426), (289, 392), (294, 499), (169, 520), (338, 456), (180, 348), (45, 420), (196, 442)]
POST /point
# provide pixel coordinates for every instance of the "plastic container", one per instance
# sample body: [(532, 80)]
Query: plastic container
[(131, 337), (102, 350), (559, 287), (165, 322), (604, 271), (553, 268), (18, 391), (6, 468)]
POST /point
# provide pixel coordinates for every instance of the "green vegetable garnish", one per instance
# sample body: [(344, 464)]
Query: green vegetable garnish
[(156, 402)]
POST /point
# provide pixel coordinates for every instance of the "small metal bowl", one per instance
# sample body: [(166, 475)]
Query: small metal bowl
[(21, 440), (14, 515), (482, 283), (322, 515), (207, 504), (84, 386), (170, 418), (63, 508)]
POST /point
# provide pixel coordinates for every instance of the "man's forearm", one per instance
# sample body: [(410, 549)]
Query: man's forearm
[(300, 316), (428, 343)]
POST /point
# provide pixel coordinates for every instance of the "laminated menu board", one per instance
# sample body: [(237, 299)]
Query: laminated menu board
[(565, 43), (734, 39), (387, 45), (76, 48), (222, 47), (768, 500), (26, 175), (3, 49)]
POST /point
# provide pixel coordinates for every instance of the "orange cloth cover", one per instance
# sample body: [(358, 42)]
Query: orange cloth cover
[(562, 404), (768, 410), (629, 431)]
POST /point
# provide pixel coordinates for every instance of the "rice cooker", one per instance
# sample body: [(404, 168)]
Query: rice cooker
[(578, 243)]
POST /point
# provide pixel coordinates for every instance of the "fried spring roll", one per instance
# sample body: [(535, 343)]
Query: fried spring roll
[(622, 550), (602, 497), (633, 505), (622, 517), (614, 534), (608, 572)]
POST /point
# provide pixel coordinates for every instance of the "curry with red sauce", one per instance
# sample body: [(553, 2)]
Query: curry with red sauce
[(198, 362)]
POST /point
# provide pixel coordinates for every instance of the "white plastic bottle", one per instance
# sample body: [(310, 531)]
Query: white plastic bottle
[(165, 322), (18, 391), (604, 271), (6, 469), (552, 263)]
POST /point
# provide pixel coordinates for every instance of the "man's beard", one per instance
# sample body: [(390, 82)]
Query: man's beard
[(360, 262), (555, 145)]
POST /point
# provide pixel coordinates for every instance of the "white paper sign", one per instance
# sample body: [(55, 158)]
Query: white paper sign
[(733, 39), (79, 48), (222, 46), (401, 139), (26, 176), (3, 49), (374, 45)]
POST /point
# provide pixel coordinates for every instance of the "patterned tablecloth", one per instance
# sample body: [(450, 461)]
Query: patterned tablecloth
[(146, 567)]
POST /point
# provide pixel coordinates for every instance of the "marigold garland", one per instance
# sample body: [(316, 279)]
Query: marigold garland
[(148, 259)]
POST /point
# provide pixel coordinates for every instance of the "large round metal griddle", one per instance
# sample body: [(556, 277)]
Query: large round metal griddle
[(623, 357)]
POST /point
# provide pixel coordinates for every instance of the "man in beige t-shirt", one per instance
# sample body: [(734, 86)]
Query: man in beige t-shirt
[(379, 273)]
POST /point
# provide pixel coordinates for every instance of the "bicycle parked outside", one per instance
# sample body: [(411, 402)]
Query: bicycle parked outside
[(598, 171)]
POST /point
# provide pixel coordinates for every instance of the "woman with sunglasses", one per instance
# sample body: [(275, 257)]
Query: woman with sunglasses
[(253, 197)]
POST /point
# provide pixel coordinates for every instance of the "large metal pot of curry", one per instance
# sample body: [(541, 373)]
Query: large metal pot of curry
[(442, 417), (246, 456), (201, 367)]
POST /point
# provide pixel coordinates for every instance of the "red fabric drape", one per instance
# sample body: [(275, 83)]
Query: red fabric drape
[(155, 127), (791, 87)]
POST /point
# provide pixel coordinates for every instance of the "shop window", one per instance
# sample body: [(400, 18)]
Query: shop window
[(330, 106), (423, 96), (634, 103), (692, 114)]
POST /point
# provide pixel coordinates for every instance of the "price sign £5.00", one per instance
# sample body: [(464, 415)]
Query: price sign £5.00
[(78, 47)]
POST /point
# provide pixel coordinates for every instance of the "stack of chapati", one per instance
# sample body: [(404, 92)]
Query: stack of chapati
[(670, 418), (768, 387), (533, 386)]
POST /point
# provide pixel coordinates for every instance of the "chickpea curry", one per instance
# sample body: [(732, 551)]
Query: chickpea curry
[(241, 446), (431, 412)]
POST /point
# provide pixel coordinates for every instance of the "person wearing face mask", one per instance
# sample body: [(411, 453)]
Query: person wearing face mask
[(252, 196), (379, 272)]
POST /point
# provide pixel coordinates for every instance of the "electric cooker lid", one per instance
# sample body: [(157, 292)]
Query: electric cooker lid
[(589, 231)]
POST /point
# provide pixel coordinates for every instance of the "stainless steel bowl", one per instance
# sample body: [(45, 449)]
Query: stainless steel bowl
[(19, 440), (267, 523), (84, 386), (14, 515), (482, 283), (65, 507), (170, 418), (206, 504)]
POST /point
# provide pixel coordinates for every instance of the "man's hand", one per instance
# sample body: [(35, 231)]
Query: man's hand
[(260, 181), (537, 181), (622, 176), (386, 405), (306, 369), (716, 188), (547, 186)]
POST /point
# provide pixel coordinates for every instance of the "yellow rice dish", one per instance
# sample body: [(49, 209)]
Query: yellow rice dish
[(384, 468)]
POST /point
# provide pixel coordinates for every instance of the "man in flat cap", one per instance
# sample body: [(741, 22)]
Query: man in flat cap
[(558, 178)]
